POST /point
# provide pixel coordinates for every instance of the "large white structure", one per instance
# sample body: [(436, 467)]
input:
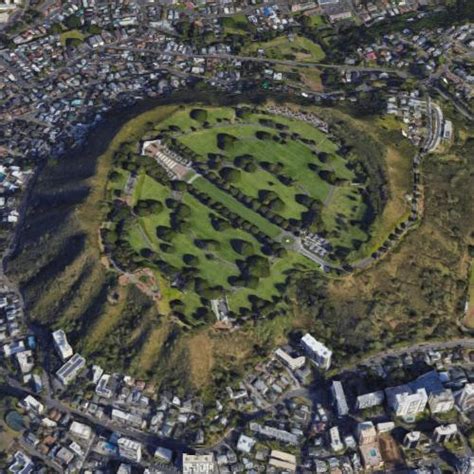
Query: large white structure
[(62, 345), (339, 398), (80, 430), (335, 439), (283, 461), (130, 449), (294, 363), (405, 403), (245, 444), (369, 400), (69, 371), (317, 351), (441, 402), (444, 433), (30, 403), (198, 464), (366, 433), (466, 466), (127, 418), (21, 463)]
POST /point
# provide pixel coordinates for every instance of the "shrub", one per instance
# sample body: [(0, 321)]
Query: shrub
[(199, 115), (190, 259), (225, 141), (262, 135), (242, 247), (165, 233), (231, 175)]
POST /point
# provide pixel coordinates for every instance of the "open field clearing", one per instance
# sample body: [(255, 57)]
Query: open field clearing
[(295, 48)]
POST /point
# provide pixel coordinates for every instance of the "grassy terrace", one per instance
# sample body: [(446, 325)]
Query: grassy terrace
[(215, 265), (303, 160), (232, 204), (297, 48)]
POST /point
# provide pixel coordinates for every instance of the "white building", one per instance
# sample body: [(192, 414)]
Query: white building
[(441, 402), (366, 433), (411, 439), (70, 370), (198, 464), (294, 363), (127, 418), (405, 403), (245, 444), (335, 439), (369, 400), (444, 433), (80, 430), (282, 461), (62, 345), (25, 361), (466, 466), (30, 403), (21, 463), (130, 449), (339, 398), (317, 351)]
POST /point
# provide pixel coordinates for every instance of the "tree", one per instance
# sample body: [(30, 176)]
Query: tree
[(229, 174), (94, 29), (114, 176), (242, 247), (73, 22), (165, 233), (257, 266), (225, 141), (199, 115), (190, 259), (262, 135), (55, 29), (73, 42)]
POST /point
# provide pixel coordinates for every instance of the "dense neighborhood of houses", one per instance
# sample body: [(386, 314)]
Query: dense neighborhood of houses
[(304, 417)]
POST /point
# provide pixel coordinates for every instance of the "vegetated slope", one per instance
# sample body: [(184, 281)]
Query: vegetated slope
[(418, 291), (65, 284), (58, 260)]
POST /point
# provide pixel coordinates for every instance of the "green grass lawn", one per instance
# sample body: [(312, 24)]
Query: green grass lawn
[(118, 184), (182, 119), (72, 34), (214, 266), (297, 48), (339, 213), (293, 155), (236, 25), (344, 203), (317, 20), (296, 147), (231, 203)]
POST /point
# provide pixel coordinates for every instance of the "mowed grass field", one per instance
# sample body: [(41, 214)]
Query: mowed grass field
[(215, 266), (343, 204), (296, 47), (300, 149)]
